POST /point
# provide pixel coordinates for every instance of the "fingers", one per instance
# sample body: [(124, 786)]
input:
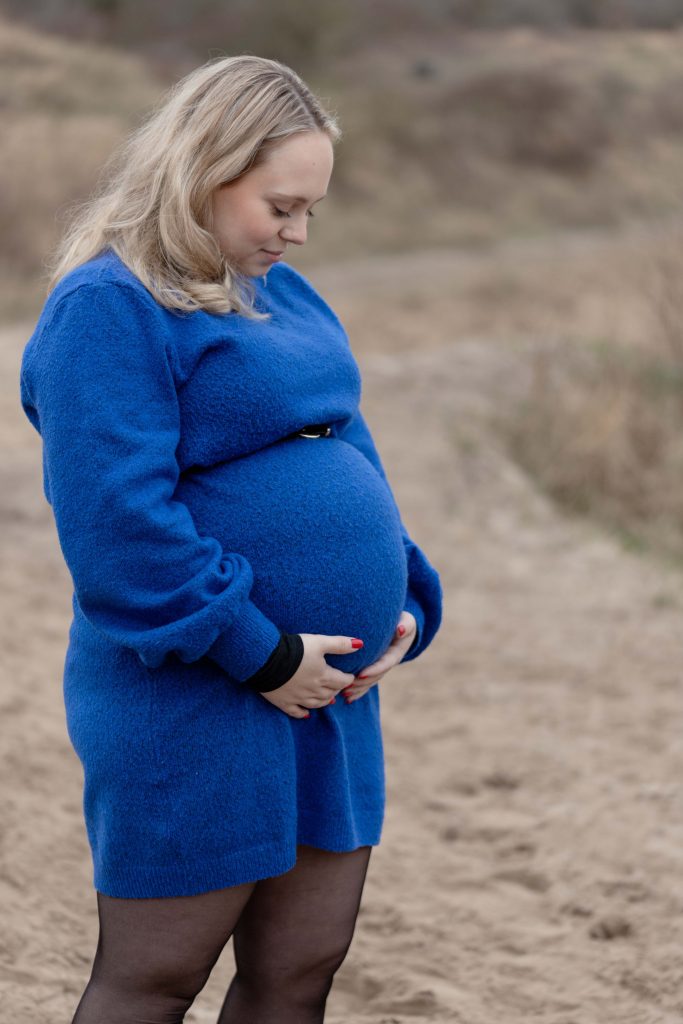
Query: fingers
[(302, 710), (392, 656), (330, 680), (342, 679), (342, 644), (297, 712), (329, 696), (383, 664), (318, 702), (407, 622), (352, 693)]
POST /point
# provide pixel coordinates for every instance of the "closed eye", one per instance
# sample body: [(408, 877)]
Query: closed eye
[(284, 213)]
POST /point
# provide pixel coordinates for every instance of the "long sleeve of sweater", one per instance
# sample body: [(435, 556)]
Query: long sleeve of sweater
[(99, 387), (424, 597)]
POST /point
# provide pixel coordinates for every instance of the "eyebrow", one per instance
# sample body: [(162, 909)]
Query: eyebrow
[(297, 199)]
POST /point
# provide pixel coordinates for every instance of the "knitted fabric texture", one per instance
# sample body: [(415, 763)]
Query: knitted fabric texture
[(196, 532)]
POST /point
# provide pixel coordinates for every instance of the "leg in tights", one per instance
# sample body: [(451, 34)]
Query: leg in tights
[(291, 932), (155, 955), (292, 937)]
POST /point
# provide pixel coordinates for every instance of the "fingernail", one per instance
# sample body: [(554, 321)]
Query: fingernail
[(360, 676), (355, 642), (333, 701), (401, 630), (308, 715)]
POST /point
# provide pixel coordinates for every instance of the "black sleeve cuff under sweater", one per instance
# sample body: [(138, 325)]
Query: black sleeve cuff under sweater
[(281, 665)]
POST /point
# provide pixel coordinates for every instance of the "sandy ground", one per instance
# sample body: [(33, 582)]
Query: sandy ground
[(531, 863)]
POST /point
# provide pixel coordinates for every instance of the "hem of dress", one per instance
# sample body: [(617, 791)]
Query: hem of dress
[(342, 844), (142, 882)]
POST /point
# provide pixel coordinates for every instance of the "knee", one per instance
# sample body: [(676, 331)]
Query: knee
[(290, 972), (173, 982), (119, 1001)]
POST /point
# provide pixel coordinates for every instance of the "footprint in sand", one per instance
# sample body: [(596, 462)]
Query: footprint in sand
[(519, 848), (632, 891), (16, 975), (533, 880), (421, 1003), (501, 779), (357, 984), (464, 787), (381, 919), (611, 926), (576, 909)]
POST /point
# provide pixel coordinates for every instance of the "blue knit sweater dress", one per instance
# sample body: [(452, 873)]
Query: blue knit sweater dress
[(195, 531)]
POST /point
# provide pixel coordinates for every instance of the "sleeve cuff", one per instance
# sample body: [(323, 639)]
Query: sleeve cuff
[(281, 665), (243, 648)]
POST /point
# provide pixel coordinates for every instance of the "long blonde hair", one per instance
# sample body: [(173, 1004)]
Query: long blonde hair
[(152, 204)]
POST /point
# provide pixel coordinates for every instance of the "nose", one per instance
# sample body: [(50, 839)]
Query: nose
[(295, 231)]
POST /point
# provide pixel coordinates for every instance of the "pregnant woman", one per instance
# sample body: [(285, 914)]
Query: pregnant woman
[(242, 577)]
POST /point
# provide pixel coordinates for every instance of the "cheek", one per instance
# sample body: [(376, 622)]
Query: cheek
[(233, 218), (264, 226)]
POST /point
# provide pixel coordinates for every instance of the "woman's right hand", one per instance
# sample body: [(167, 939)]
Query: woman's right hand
[(314, 683)]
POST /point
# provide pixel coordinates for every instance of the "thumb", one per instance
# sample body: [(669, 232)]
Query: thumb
[(343, 644)]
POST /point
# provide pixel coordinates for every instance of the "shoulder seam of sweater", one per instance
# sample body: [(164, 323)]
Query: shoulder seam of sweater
[(145, 301), (98, 282)]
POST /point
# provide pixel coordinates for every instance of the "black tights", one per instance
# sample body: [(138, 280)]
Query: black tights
[(290, 934)]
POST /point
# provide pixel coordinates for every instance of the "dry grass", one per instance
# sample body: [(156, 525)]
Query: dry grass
[(604, 436), (601, 427)]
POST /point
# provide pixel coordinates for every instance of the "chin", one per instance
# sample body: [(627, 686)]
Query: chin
[(254, 268)]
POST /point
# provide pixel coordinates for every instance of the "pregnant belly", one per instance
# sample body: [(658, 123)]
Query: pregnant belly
[(320, 530)]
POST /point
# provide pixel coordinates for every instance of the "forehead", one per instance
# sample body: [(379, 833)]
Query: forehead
[(298, 169)]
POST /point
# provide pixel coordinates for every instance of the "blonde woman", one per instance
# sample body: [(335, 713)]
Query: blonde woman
[(242, 577)]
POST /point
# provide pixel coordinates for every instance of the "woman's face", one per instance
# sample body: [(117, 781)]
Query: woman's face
[(268, 207)]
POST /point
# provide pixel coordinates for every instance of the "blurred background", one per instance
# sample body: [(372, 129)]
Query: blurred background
[(554, 125), (502, 240)]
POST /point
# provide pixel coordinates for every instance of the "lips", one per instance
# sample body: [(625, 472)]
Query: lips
[(270, 253)]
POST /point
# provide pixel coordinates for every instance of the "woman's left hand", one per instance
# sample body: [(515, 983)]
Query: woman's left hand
[(396, 650)]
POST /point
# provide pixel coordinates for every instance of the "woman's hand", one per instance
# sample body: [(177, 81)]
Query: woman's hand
[(403, 638), (315, 683)]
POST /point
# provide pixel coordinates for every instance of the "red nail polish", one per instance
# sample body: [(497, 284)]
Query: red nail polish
[(356, 643), (401, 630), (359, 676), (333, 701), (308, 715)]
